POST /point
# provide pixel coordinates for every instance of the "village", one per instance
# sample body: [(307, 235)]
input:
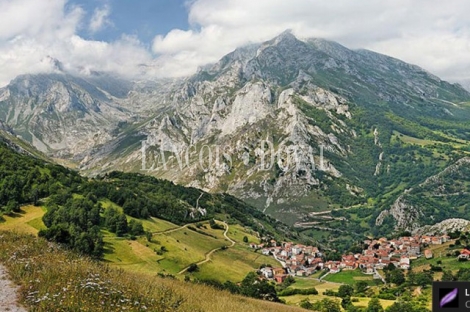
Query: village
[(300, 260)]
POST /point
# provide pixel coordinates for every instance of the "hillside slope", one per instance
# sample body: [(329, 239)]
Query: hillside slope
[(54, 279), (290, 126)]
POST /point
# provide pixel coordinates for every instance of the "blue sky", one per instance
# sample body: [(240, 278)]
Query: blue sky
[(147, 39), (142, 18)]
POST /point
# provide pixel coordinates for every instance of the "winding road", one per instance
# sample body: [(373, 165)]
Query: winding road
[(210, 253)]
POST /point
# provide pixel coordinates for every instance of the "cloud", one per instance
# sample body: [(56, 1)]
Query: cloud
[(431, 33), (29, 40), (100, 19)]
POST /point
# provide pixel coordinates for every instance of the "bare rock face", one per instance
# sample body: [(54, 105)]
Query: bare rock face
[(406, 216), (275, 123), (59, 114), (411, 214), (446, 226)]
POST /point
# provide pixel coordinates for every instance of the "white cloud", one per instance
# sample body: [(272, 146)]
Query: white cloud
[(28, 40), (434, 34), (100, 19), (431, 33)]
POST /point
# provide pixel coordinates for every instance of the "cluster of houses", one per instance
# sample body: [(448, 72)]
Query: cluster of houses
[(301, 260)]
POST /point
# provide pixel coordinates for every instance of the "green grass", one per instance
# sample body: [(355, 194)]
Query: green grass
[(349, 277), (130, 255), (238, 232), (152, 224), (439, 254), (363, 302), (183, 247), (54, 279), (306, 282), (232, 264), (29, 220)]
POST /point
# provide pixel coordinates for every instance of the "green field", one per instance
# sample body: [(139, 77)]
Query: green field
[(440, 254), (182, 247), (351, 277), (233, 264), (29, 220), (238, 232)]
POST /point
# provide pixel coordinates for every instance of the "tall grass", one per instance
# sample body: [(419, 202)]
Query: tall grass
[(55, 279)]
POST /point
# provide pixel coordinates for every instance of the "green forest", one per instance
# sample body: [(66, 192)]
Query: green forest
[(76, 218)]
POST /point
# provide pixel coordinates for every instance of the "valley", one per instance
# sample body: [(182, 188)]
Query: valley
[(281, 154)]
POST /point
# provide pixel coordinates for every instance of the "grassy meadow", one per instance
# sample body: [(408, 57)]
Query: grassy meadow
[(171, 249), (54, 279)]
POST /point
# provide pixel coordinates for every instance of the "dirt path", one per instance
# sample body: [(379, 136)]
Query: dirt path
[(172, 230), (209, 254), (8, 294)]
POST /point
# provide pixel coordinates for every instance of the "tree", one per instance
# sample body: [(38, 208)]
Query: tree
[(251, 286), (422, 279), (245, 239), (149, 236), (193, 268), (447, 276), (306, 304), (374, 306), (121, 225), (390, 267), (326, 305), (136, 228), (400, 307), (395, 277), (346, 302), (361, 287), (12, 206), (345, 291)]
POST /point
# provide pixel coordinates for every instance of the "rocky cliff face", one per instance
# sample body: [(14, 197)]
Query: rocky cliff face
[(428, 203), (290, 125), (446, 226)]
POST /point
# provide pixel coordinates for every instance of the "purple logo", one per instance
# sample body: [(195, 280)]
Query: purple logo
[(449, 297)]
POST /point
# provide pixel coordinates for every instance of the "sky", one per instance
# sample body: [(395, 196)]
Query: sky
[(141, 39)]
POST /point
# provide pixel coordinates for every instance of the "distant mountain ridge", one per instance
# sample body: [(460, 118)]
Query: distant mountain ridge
[(349, 119)]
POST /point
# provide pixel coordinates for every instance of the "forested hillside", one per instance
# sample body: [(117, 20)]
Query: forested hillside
[(75, 215)]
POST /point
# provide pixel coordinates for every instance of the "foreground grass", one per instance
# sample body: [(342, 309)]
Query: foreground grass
[(54, 279)]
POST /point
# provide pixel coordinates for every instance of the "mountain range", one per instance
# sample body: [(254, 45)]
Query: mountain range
[(298, 128)]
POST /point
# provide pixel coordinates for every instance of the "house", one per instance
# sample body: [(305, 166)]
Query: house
[(428, 254), (308, 250), (279, 271), (334, 269), (426, 239), (404, 263), (436, 240), (296, 250), (349, 265), (301, 273), (267, 272), (265, 251), (414, 249), (280, 278), (464, 254)]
